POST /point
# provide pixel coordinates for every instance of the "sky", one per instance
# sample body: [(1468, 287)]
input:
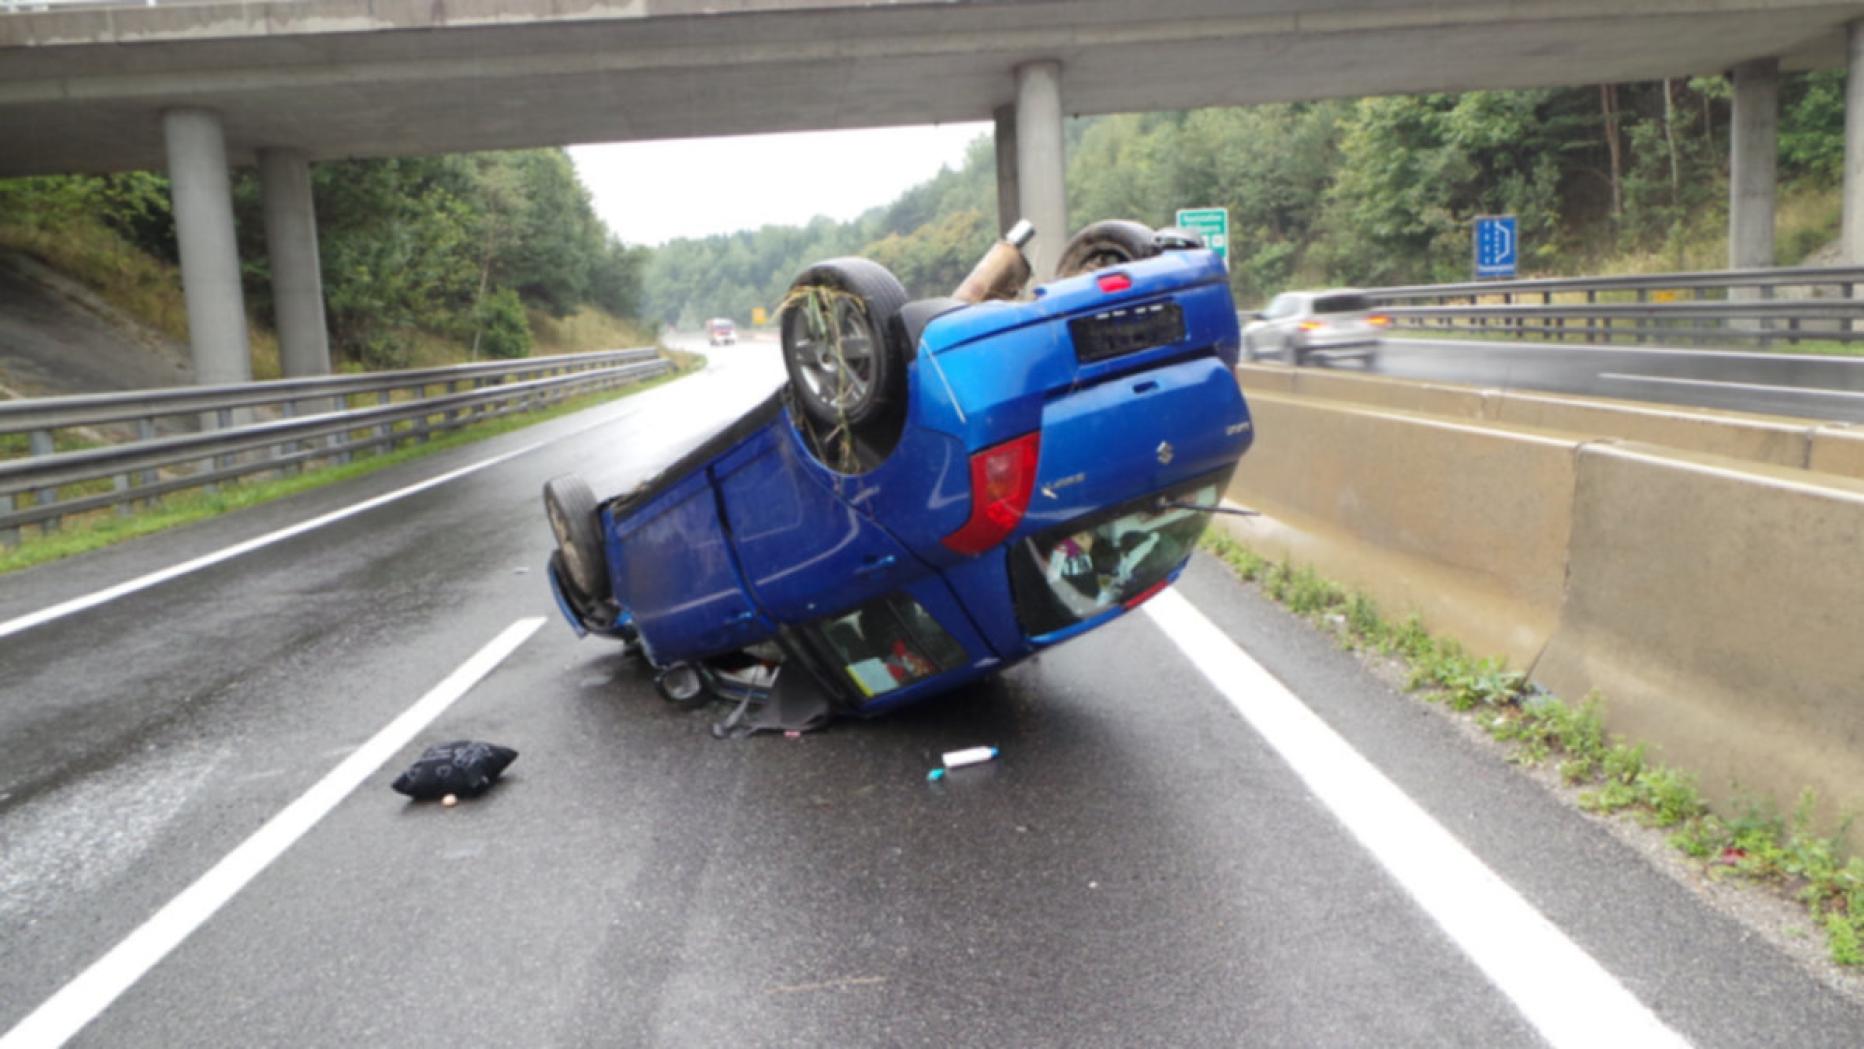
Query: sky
[(653, 192)]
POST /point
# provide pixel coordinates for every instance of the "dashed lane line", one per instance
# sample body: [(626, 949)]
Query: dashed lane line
[(82, 1000)]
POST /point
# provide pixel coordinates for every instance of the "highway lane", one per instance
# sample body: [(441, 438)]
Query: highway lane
[(1804, 386), (1140, 868)]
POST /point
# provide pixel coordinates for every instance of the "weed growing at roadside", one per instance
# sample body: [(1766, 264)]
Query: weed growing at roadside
[(1617, 776)]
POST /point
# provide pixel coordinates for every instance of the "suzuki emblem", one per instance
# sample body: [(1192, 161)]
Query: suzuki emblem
[(1164, 453)]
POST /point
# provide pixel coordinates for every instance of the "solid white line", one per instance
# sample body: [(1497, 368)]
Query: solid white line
[(1808, 391), (84, 998), (1562, 991)]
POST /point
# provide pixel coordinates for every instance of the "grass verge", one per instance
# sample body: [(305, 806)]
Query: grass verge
[(104, 528), (1615, 776)]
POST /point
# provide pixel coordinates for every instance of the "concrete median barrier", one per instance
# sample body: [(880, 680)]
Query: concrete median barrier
[(1713, 600), (1715, 604), (1755, 438), (1463, 402), (1838, 449), (1461, 524), (1775, 440)]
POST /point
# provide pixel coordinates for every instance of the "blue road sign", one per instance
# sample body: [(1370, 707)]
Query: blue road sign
[(1496, 246)]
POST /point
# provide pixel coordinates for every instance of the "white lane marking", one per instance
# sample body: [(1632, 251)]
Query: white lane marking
[(1808, 391), (43, 616), (163, 575), (84, 998), (1562, 991)]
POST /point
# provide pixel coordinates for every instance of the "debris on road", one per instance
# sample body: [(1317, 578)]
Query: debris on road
[(958, 759), (449, 771)]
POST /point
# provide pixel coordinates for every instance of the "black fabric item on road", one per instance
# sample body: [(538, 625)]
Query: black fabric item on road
[(463, 767)]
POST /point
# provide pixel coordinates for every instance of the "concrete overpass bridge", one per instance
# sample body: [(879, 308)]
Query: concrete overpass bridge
[(195, 87)]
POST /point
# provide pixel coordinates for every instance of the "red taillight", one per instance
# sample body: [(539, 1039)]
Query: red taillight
[(1311, 325), (1146, 595), (1114, 282), (1379, 320), (1003, 478)]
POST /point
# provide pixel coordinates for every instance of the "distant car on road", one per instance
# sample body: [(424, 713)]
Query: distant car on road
[(721, 331), (1299, 326)]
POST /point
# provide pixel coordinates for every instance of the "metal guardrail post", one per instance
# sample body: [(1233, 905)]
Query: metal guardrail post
[(40, 443)]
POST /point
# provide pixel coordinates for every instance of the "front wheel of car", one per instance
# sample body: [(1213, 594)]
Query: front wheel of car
[(570, 506), (1249, 347), (1114, 242), (838, 347)]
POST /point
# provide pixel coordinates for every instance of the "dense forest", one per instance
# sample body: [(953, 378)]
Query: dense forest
[(450, 247), (1368, 192)]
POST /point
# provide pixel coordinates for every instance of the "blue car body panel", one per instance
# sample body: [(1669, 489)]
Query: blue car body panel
[(761, 536)]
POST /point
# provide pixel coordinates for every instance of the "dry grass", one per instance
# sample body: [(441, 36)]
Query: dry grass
[(588, 329), (1806, 218), (148, 290), (95, 256)]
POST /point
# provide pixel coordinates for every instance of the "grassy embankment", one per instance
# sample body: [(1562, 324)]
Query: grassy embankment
[(149, 291), (1614, 777)]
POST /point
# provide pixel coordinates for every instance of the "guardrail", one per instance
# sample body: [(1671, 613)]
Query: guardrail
[(236, 440), (1762, 306)]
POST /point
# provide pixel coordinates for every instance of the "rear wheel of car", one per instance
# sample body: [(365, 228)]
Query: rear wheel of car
[(844, 364), (1289, 355), (1114, 242), (681, 685), (570, 506)]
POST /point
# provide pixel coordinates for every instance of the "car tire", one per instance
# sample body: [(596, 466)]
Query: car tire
[(571, 508), (1114, 242), (1290, 354), (1249, 347), (682, 685), (833, 386)]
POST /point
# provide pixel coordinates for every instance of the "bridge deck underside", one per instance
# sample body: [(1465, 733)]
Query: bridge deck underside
[(334, 92)]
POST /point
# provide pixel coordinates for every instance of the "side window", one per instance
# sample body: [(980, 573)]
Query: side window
[(1281, 307), (888, 643)]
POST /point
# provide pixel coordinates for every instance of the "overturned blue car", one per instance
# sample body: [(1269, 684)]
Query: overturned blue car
[(942, 488)]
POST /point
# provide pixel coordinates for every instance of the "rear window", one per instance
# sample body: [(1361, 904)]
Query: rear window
[(1342, 304), (1075, 573)]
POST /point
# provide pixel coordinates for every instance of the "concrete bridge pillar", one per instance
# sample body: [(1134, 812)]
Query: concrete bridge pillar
[(1009, 202), (1752, 165), (1851, 241), (202, 197), (291, 242), (1041, 167)]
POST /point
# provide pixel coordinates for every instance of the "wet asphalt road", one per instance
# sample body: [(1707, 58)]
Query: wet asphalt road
[(1811, 387), (1140, 868)]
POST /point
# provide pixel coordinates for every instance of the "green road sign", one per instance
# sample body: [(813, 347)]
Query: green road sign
[(1213, 224)]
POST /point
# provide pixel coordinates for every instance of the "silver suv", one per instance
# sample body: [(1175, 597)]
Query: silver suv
[(1299, 326)]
